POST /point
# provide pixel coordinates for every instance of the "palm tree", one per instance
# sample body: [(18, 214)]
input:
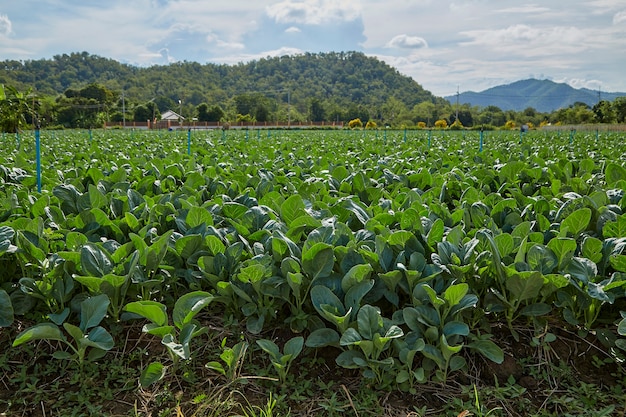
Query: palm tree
[(14, 106)]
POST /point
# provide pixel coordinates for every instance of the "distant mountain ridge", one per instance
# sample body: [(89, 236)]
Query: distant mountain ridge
[(543, 95)]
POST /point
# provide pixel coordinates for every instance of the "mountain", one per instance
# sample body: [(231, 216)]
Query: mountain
[(339, 79), (542, 95)]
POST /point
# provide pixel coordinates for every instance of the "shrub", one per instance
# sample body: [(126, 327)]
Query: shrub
[(457, 125), (441, 124), (355, 123)]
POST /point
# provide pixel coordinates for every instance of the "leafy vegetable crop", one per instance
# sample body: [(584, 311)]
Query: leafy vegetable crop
[(400, 252)]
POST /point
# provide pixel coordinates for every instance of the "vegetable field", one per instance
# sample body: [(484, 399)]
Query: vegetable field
[(255, 259)]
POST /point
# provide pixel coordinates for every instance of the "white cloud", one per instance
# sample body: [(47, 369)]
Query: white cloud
[(580, 83), (525, 9), (529, 41), (236, 59), (619, 17), (5, 25), (293, 29), (313, 12), (407, 42)]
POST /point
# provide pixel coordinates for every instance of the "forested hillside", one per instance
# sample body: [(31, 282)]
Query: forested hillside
[(337, 81)]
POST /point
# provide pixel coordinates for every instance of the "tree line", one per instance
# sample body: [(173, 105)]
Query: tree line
[(85, 91)]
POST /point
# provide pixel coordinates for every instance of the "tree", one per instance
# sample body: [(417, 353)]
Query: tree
[(316, 110), (424, 112), (619, 105), (209, 114), (604, 112), (14, 107), (141, 113), (465, 118)]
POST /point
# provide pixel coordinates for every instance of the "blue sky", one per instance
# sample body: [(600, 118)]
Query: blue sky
[(444, 45)]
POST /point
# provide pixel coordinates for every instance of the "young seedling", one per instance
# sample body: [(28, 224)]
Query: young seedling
[(282, 361)]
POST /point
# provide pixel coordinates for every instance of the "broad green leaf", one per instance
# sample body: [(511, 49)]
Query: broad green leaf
[(525, 288), (156, 330), (563, 249), (6, 309), (96, 198), (92, 311), (188, 305), (176, 348), (505, 243), (621, 328), (356, 275), (95, 261), (322, 337), (576, 222), (369, 321), (618, 262), (455, 293), (270, 348), (455, 328), (318, 261), (541, 258), (292, 208), (582, 269), (349, 358), (197, 216), (74, 331), (410, 220), (75, 240), (294, 346), (435, 234), (234, 210), (99, 338), (456, 363), (615, 229), (536, 309), (488, 349), (355, 295), (614, 173), (214, 244), (41, 331), (154, 372), (188, 245), (592, 249), (151, 310)]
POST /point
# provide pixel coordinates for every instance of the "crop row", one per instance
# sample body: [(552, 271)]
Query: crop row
[(400, 254)]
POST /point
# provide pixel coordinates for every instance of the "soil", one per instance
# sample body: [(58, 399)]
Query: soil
[(537, 371)]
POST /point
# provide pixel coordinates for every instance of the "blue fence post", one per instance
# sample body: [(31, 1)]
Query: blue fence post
[(38, 158), (404, 135), (430, 134), (90, 136), (597, 134), (571, 136), (188, 141), (480, 142)]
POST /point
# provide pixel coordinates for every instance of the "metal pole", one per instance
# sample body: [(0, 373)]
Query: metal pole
[(38, 158)]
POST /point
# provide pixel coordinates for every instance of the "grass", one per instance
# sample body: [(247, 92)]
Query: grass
[(570, 378)]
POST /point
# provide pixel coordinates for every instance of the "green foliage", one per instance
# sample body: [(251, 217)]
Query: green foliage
[(177, 338), (88, 334), (281, 361), (399, 257)]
